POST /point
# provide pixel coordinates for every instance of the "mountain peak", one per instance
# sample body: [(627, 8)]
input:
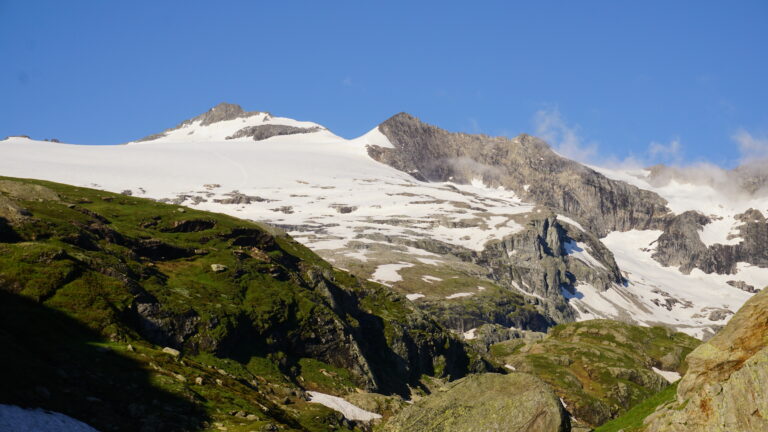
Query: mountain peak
[(221, 112)]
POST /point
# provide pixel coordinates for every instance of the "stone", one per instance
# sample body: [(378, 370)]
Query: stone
[(171, 351), (724, 388), (485, 402), (218, 268)]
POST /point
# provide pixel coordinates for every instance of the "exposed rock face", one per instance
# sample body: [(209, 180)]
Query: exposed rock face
[(725, 386), (489, 334), (681, 246), (525, 165), (263, 132), (221, 112), (27, 192), (488, 402), (538, 261)]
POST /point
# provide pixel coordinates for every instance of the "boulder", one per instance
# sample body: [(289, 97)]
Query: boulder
[(486, 402), (725, 386)]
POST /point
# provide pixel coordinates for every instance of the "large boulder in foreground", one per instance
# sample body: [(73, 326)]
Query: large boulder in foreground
[(486, 402), (725, 386)]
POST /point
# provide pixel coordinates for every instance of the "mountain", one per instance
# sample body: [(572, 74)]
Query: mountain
[(129, 314), (472, 229)]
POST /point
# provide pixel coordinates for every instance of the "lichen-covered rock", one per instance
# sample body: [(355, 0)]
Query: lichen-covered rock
[(486, 402), (725, 386)]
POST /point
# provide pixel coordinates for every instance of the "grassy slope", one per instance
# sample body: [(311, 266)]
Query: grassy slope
[(632, 420), (120, 271), (600, 368)]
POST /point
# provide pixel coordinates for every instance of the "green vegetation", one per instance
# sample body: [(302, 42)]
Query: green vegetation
[(95, 285), (632, 420), (600, 368)]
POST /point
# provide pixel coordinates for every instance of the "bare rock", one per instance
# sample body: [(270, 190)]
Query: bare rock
[(218, 268)]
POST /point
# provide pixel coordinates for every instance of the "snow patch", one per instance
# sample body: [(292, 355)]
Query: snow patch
[(347, 409), (670, 376), (430, 279), (413, 297), (459, 295), (568, 220), (470, 334), (388, 273), (720, 231), (579, 251), (14, 418)]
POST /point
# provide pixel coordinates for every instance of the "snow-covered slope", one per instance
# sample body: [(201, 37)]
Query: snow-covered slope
[(17, 419), (373, 219), (655, 294)]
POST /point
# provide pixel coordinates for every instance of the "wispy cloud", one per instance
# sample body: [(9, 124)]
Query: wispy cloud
[(566, 139), (347, 82), (562, 136), (751, 147), (669, 152)]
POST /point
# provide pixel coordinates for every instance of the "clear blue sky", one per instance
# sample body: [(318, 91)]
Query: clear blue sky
[(621, 74)]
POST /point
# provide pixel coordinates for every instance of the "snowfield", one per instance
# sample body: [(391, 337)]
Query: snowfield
[(656, 294)]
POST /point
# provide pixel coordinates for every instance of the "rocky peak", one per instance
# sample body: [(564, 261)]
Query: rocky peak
[(525, 165), (221, 112)]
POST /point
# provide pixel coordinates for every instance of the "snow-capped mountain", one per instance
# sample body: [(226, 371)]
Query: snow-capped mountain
[(475, 229)]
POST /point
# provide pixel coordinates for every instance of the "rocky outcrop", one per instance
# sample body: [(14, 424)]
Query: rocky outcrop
[(600, 368), (221, 112), (724, 388), (540, 261), (680, 245), (263, 132), (489, 402), (525, 165)]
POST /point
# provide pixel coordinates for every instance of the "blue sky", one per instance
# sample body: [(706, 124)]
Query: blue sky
[(660, 81)]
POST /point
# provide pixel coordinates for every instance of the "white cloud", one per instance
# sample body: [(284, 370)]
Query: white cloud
[(751, 147), (564, 138), (347, 82), (667, 153)]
